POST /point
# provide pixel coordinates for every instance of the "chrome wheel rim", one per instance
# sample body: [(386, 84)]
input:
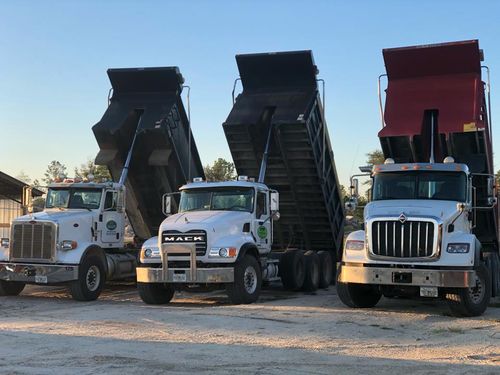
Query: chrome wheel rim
[(250, 280), (93, 278), (476, 292)]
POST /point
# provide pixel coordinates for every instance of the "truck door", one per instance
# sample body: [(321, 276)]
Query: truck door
[(262, 223), (112, 220)]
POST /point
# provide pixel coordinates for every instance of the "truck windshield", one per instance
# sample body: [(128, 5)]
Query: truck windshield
[(223, 199), (73, 198), (450, 186)]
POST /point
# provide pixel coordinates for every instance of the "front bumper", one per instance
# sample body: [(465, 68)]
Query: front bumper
[(183, 275), (38, 273), (405, 276)]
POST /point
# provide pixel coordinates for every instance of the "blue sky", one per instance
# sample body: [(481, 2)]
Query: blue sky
[(54, 56)]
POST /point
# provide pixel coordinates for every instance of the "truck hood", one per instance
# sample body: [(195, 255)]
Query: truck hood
[(213, 221), (58, 216), (443, 210)]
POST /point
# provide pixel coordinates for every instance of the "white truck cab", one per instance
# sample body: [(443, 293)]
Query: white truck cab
[(417, 238), (217, 224), (78, 239)]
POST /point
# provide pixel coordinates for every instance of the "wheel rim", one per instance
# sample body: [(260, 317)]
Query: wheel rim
[(476, 292), (250, 280), (93, 278)]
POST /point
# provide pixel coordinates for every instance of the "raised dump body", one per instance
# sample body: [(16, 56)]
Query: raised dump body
[(280, 94), (440, 87), (162, 160)]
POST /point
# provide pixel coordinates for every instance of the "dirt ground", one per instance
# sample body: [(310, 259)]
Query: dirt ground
[(43, 331)]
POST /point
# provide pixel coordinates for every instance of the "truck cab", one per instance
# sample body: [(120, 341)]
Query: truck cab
[(217, 224), (71, 241)]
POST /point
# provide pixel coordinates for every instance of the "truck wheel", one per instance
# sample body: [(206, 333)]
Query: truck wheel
[(292, 269), (325, 269), (247, 281), (471, 301), (11, 288), (155, 294), (311, 280), (91, 279), (358, 295), (492, 261)]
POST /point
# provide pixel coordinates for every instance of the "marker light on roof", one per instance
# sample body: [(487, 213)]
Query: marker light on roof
[(389, 161), (242, 178), (198, 179), (448, 159)]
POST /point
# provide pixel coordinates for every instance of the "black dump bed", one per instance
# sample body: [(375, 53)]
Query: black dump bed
[(160, 159), (280, 91)]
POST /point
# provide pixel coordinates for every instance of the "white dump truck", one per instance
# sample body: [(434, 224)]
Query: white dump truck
[(78, 238), (431, 228), (227, 234)]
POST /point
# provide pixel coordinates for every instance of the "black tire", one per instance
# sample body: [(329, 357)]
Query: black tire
[(311, 279), (325, 269), (358, 295), (492, 261), (91, 279), (11, 288), (471, 301), (247, 281), (292, 269), (155, 294)]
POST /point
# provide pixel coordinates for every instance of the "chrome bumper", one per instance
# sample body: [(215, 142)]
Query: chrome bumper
[(193, 274), (38, 273), (418, 277), (183, 275)]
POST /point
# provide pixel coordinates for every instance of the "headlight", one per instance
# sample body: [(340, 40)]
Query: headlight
[(222, 252), (354, 245), (68, 245), (458, 248), (5, 243), (151, 253)]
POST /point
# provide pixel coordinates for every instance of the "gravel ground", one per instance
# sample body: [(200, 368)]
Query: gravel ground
[(43, 331)]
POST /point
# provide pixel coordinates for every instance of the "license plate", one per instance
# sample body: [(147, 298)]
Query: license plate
[(41, 279), (428, 291), (179, 277)]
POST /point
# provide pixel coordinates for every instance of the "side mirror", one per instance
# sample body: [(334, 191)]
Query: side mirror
[(354, 187), (167, 204), (120, 202), (275, 201)]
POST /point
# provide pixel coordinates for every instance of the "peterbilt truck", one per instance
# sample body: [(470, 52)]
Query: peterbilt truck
[(431, 228), (227, 234), (79, 238)]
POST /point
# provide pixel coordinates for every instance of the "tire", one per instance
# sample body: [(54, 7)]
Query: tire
[(492, 261), (155, 294), (292, 269), (311, 279), (466, 302), (11, 288), (358, 295), (325, 269), (91, 279), (247, 281)]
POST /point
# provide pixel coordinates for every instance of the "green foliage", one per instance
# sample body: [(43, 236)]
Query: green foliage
[(375, 157), (54, 170), (100, 172), (220, 170)]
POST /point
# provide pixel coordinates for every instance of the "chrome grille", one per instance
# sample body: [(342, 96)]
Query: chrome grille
[(411, 239), (201, 247), (33, 241)]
